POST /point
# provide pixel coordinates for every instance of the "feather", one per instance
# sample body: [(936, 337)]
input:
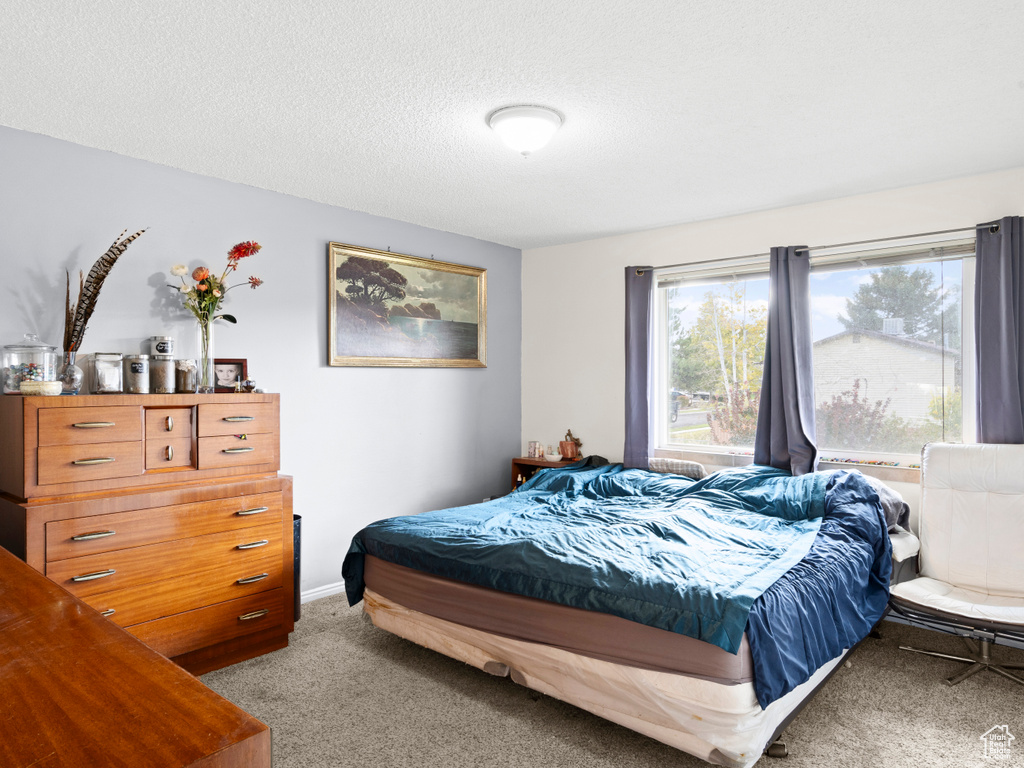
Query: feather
[(89, 290), (69, 313)]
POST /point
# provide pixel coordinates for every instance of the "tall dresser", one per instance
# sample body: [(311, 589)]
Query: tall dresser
[(166, 513)]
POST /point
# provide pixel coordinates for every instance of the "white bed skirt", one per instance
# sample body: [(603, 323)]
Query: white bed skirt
[(722, 724)]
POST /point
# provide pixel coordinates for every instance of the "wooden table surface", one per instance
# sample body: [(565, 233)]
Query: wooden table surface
[(77, 691)]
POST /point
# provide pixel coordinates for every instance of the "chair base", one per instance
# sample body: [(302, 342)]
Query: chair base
[(980, 659)]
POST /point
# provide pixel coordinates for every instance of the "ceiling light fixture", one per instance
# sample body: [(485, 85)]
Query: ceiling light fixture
[(525, 128)]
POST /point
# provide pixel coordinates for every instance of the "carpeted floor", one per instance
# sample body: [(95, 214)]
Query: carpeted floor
[(347, 694)]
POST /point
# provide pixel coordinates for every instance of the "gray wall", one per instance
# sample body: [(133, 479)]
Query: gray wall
[(362, 443)]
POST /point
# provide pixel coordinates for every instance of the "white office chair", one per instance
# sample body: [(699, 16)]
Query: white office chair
[(971, 527)]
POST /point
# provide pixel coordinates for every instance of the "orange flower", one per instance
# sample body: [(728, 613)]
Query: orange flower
[(200, 273), (201, 287)]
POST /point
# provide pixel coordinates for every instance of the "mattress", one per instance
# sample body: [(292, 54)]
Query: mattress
[(587, 633), (722, 724)]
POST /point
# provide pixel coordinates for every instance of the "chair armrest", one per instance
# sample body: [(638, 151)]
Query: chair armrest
[(904, 545)]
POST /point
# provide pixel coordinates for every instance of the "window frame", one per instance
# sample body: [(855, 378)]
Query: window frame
[(902, 251)]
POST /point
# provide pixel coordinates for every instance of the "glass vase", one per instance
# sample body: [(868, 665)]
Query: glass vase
[(204, 353), (70, 375)]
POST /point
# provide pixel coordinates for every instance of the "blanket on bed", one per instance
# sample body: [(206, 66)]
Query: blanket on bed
[(692, 557), (686, 556)]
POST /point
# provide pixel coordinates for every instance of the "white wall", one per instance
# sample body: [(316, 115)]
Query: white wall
[(362, 443), (573, 295)]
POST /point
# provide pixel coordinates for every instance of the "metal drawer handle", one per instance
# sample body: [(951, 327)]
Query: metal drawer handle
[(254, 614), (170, 423), (93, 535), (253, 579), (108, 612), (106, 460), (96, 575), (239, 418), (93, 424), (238, 450), (253, 544), (253, 511), (170, 453)]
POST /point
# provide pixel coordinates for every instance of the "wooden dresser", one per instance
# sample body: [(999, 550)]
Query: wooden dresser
[(164, 512), (77, 692)]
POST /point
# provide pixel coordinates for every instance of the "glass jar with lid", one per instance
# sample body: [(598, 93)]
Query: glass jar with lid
[(161, 375), (107, 373), (136, 374), (28, 360)]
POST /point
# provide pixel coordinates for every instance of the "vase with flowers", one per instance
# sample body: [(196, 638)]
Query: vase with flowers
[(203, 298)]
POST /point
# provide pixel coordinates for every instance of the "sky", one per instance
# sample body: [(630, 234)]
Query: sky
[(453, 294), (829, 291)]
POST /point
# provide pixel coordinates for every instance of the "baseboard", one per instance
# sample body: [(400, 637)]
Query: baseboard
[(328, 590)]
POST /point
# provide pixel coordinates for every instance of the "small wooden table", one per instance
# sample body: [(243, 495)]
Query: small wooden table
[(524, 468), (77, 691)]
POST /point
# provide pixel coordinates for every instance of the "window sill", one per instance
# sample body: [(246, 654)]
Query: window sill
[(727, 460)]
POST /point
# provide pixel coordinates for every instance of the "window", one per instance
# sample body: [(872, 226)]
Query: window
[(891, 330), (715, 336)]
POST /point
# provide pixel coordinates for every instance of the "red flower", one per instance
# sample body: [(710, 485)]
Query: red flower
[(201, 287), (200, 273), (255, 282), (242, 250)]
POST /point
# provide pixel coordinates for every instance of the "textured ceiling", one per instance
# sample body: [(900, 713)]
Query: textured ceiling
[(674, 111)]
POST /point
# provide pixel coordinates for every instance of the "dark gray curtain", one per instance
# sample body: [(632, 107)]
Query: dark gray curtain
[(999, 331), (785, 418), (639, 321)]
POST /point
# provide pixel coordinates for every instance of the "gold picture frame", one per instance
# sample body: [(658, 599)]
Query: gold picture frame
[(390, 309)]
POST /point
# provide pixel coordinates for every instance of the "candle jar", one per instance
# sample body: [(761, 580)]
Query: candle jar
[(161, 375), (136, 374), (29, 360), (186, 376), (107, 373)]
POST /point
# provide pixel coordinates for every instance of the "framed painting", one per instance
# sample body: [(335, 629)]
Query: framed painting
[(227, 372), (388, 309)]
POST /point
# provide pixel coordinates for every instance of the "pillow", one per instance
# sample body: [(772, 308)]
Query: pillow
[(897, 511), (678, 467)]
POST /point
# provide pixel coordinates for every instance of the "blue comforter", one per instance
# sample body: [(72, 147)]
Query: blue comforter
[(708, 558)]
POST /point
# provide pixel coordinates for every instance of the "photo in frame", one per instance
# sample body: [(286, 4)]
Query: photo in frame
[(389, 309), (229, 371)]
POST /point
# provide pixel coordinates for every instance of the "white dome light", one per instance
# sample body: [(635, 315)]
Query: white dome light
[(525, 128)]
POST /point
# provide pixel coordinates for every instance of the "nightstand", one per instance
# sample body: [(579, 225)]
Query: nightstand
[(524, 468)]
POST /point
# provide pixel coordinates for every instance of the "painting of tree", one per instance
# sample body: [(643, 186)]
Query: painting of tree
[(398, 310), (371, 282)]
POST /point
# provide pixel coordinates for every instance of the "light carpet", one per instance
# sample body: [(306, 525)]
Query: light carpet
[(345, 693)]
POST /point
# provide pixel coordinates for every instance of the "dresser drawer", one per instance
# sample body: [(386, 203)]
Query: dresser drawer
[(168, 453), (74, 426), (168, 422), (123, 568), (95, 461), (237, 419), (186, 592), (184, 632), (123, 530), (238, 450)]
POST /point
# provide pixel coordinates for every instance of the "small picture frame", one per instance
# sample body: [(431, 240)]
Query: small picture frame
[(228, 372)]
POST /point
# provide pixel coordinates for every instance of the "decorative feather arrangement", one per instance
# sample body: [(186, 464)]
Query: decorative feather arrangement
[(77, 315)]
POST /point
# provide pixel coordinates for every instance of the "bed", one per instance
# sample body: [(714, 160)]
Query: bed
[(701, 612)]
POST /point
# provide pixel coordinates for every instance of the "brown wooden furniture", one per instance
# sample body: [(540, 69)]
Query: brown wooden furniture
[(524, 468), (164, 512), (78, 692)]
